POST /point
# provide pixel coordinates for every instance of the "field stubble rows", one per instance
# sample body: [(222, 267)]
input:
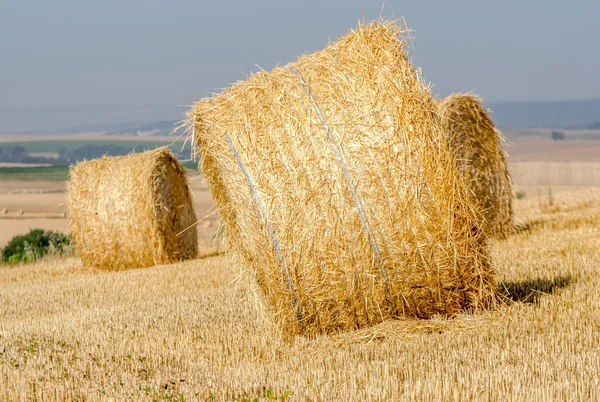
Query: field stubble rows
[(198, 330)]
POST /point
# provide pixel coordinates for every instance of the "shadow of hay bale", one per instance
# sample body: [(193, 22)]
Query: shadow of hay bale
[(530, 290)]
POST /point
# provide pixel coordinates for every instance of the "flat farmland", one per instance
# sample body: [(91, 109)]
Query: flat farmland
[(539, 166), (198, 331), (36, 173), (34, 197), (50, 145), (556, 151), (26, 205), (555, 174)]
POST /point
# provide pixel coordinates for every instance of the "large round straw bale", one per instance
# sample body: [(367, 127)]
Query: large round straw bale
[(480, 157), (336, 185), (132, 211)]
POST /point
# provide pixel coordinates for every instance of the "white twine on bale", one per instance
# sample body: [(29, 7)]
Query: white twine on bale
[(319, 250), (342, 227), (274, 241), (346, 235), (348, 178)]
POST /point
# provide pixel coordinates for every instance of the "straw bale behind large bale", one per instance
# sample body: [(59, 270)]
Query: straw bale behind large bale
[(132, 211), (480, 157), (336, 185)]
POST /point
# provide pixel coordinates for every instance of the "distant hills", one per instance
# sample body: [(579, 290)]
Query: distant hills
[(82, 118), (583, 114), (160, 120), (158, 128)]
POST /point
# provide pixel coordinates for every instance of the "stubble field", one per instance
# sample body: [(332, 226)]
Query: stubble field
[(198, 330)]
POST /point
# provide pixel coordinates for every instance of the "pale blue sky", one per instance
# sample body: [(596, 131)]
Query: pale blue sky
[(133, 52)]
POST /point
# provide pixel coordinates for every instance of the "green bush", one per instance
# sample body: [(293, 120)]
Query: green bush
[(35, 245), (520, 195)]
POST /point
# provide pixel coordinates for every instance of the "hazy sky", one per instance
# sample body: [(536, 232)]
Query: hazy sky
[(132, 52)]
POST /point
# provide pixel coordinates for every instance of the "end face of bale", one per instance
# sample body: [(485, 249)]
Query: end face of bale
[(336, 185), (132, 211), (480, 157)]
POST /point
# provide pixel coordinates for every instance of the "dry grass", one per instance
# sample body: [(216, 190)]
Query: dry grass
[(336, 184), (191, 330)]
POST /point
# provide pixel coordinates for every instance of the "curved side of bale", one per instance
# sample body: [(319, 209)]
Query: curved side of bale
[(479, 155), (338, 188), (132, 211)]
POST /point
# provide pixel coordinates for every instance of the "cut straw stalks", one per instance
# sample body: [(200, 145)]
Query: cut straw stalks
[(480, 157), (132, 211), (339, 190)]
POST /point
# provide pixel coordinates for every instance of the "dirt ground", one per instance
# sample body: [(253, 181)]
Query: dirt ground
[(10, 164), (46, 204), (13, 227), (30, 187), (536, 164), (556, 151)]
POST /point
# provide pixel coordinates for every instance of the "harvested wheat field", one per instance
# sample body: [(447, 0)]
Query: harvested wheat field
[(196, 331)]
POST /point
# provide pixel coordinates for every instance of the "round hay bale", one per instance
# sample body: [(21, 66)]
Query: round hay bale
[(131, 211), (336, 185), (3, 211), (480, 157)]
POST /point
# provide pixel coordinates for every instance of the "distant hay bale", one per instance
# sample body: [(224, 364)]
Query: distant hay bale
[(131, 211), (479, 155), (336, 185)]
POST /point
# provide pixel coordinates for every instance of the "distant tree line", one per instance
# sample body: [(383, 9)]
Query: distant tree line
[(18, 154), (558, 135), (91, 151)]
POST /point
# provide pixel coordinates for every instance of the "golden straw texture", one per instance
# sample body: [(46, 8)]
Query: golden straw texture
[(132, 211), (480, 157), (337, 186)]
